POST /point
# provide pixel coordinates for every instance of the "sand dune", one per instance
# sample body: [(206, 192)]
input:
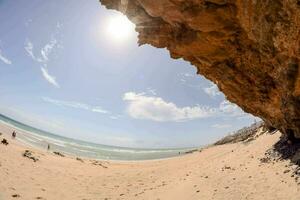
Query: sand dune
[(230, 171)]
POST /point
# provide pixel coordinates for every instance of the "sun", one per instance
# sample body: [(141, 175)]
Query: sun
[(120, 28)]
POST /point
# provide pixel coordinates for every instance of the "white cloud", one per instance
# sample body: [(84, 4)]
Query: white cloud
[(4, 59), (44, 53), (231, 109), (155, 108), (188, 75), (142, 106), (151, 91), (43, 58), (184, 77), (47, 49), (98, 110), (74, 104), (49, 78), (221, 126), (188, 79), (212, 90), (29, 49)]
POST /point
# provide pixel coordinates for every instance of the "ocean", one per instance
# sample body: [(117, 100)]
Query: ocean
[(40, 139)]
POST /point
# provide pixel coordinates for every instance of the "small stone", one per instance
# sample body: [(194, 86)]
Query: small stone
[(15, 195)]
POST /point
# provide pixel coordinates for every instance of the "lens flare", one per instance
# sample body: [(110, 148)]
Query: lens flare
[(120, 28)]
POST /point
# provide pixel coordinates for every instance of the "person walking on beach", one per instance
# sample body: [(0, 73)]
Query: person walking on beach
[(14, 134), (48, 148)]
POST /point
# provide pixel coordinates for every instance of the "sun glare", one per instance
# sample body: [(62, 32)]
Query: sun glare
[(120, 28)]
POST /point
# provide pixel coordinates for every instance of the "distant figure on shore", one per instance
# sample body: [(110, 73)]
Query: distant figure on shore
[(48, 147), (14, 134)]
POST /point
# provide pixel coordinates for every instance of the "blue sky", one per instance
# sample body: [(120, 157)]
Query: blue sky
[(63, 71)]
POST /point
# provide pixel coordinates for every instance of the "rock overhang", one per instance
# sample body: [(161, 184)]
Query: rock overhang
[(250, 49)]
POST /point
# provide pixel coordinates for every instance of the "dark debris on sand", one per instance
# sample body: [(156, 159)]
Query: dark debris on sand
[(15, 195), (284, 150), (28, 154), (193, 151), (79, 159), (58, 153), (4, 141), (98, 163)]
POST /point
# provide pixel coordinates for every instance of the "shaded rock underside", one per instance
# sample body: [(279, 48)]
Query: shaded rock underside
[(250, 49)]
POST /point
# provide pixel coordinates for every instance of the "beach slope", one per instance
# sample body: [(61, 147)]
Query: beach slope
[(230, 171)]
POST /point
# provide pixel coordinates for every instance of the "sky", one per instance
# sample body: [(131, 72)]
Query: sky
[(74, 68)]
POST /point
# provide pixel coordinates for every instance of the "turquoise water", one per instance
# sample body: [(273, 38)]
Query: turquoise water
[(40, 139)]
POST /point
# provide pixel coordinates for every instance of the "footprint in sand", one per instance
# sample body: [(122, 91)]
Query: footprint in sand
[(12, 188)]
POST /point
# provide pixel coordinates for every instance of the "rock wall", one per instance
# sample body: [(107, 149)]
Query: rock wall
[(249, 48)]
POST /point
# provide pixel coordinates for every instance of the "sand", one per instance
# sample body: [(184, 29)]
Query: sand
[(231, 171)]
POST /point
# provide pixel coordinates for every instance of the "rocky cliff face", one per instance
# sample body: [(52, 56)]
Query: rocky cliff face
[(249, 48)]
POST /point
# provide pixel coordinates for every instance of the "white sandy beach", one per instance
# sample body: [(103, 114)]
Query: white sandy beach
[(231, 171)]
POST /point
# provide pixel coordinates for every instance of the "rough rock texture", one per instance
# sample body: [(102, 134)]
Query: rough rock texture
[(249, 48)]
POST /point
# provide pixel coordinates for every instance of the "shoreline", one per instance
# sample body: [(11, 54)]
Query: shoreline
[(10, 128)]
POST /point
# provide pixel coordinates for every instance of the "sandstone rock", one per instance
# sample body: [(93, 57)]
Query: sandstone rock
[(250, 49)]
